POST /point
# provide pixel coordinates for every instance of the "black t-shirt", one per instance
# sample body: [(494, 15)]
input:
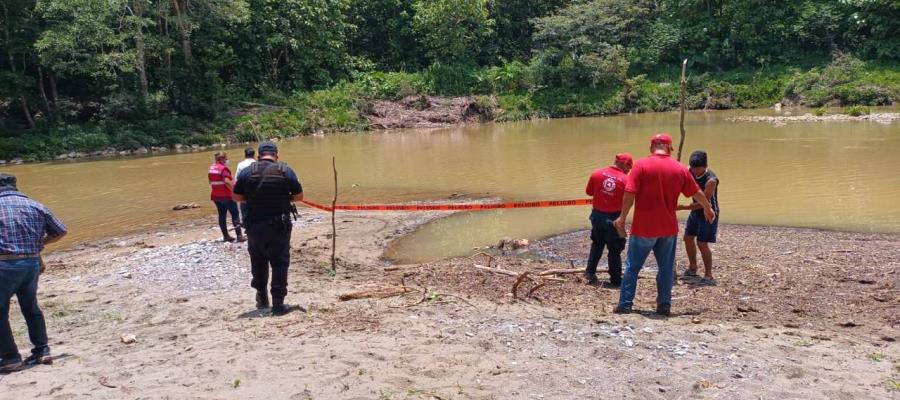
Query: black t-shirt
[(240, 187), (702, 180)]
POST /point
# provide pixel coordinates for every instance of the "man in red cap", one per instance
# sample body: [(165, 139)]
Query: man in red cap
[(607, 186), (652, 189)]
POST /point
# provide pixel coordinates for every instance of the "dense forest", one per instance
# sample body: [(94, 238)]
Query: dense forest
[(125, 74)]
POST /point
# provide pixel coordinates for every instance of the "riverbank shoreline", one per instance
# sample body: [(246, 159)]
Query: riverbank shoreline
[(797, 313), (435, 112)]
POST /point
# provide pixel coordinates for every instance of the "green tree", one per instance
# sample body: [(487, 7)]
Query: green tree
[(19, 32), (588, 42), (383, 33), (875, 26), (294, 44), (453, 31), (513, 25)]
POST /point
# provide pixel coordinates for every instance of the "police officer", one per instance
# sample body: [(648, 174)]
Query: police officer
[(269, 187)]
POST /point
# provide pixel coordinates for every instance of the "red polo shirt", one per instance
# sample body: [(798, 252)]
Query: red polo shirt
[(607, 186), (657, 181)]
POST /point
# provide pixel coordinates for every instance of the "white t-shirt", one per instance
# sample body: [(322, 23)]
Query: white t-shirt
[(241, 165)]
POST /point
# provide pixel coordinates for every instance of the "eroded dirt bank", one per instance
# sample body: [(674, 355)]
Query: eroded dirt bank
[(797, 314)]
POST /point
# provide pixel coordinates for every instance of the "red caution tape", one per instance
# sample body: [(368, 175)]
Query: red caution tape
[(450, 207)]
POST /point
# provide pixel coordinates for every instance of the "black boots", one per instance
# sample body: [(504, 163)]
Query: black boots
[(225, 236), (279, 308), (239, 234), (262, 300), (237, 231)]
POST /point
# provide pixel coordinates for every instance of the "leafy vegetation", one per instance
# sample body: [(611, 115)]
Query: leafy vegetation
[(82, 75), (893, 384), (855, 111)]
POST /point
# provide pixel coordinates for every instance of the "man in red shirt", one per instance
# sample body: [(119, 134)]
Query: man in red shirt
[(653, 188), (221, 182), (607, 186)]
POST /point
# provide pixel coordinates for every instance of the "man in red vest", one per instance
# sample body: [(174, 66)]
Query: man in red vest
[(653, 187), (221, 182), (607, 186)]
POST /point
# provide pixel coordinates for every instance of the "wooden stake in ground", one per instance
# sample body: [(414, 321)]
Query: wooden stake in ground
[(683, 90), (333, 223)]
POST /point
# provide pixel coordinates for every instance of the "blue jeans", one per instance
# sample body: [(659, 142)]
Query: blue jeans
[(638, 249), (230, 207), (20, 278)]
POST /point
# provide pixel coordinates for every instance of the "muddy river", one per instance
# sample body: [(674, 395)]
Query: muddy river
[(837, 175)]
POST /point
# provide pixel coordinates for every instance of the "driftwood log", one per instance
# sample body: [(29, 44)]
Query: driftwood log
[(515, 274), (566, 271), (379, 293)]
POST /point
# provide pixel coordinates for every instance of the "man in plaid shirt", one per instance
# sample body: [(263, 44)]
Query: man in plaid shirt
[(25, 227)]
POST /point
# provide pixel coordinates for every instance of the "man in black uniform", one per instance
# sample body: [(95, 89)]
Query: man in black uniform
[(269, 187)]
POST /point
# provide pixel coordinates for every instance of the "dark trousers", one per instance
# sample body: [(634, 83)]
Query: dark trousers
[(269, 244), (20, 278), (244, 210), (603, 234), (228, 206)]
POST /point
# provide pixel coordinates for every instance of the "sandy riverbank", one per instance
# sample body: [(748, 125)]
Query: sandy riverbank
[(797, 314), (780, 120)]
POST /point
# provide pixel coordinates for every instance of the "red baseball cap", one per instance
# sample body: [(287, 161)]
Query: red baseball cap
[(661, 138), (625, 158)]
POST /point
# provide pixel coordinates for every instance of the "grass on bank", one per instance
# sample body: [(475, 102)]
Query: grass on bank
[(521, 94), (522, 91)]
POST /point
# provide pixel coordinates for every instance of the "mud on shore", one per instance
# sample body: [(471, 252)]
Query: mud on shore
[(797, 313)]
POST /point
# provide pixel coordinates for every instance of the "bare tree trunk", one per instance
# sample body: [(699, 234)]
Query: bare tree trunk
[(139, 43), (27, 112), (683, 90), (9, 54), (43, 92), (54, 95), (185, 31), (162, 15)]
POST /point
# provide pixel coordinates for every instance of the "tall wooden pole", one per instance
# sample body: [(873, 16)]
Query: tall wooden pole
[(683, 90), (333, 223), (681, 125)]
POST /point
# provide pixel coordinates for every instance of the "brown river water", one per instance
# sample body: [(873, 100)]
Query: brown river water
[(830, 175)]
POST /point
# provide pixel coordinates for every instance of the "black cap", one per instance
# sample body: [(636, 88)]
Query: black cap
[(7, 180), (698, 159), (249, 152), (267, 147)]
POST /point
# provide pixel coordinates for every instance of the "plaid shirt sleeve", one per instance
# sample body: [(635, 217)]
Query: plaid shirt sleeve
[(53, 225)]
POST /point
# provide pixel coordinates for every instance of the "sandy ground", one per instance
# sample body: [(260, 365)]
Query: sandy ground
[(797, 314)]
